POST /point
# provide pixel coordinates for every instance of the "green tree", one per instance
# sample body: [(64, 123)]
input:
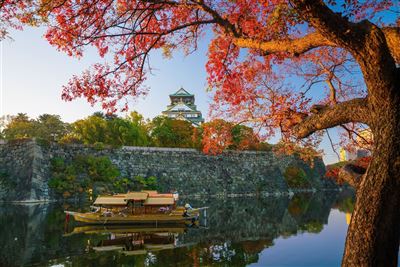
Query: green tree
[(166, 132), (20, 126), (91, 129), (50, 127), (142, 128), (243, 137), (125, 132), (112, 130)]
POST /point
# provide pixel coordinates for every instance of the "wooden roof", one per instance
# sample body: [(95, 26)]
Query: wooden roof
[(118, 195), (136, 195), (151, 192), (110, 200), (159, 201), (154, 193), (163, 195), (150, 197)]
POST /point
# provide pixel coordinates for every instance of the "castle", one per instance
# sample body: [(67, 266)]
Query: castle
[(182, 107)]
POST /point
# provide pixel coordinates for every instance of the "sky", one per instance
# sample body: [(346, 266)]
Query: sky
[(32, 74)]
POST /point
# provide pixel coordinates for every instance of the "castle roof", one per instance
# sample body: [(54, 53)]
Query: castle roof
[(180, 107), (181, 92)]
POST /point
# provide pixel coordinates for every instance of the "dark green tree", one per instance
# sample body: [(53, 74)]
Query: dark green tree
[(50, 127), (166, 132)]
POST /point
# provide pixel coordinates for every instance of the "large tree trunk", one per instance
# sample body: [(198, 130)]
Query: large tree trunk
[(374, 231)]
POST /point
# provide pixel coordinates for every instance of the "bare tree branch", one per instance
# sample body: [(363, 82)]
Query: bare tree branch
[(332, 145)]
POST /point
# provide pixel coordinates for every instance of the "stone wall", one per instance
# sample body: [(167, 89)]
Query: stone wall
[(26, 171), (186, 170)]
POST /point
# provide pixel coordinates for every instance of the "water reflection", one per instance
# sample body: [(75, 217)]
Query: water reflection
[(236, 232)]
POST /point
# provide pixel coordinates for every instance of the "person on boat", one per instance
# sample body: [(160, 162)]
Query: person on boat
[(175, 194), (164, 209), (107, 213), (188, 207)]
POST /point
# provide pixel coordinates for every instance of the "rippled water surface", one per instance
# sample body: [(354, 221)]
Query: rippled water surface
[(304, 230)]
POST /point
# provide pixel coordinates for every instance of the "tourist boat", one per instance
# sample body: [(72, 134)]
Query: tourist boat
[(126, 229), (144, 207)]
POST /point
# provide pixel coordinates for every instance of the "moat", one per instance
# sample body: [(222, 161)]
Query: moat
[(301, 230)]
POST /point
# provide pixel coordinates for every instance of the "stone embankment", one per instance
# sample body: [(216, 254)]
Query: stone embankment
[(26, 168)]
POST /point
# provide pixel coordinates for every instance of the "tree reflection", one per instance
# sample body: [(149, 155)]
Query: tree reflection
[(237, 231)]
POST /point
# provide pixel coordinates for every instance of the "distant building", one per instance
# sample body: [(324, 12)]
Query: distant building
[(343, 154), (182, 107), (364, 140)]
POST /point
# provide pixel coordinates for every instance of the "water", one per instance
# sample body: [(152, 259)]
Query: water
[(305, 230)]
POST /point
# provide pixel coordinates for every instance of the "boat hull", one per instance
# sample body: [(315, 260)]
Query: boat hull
[(94, 218)]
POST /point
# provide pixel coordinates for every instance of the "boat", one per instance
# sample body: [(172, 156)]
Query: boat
[(144, 207), (126, 229)]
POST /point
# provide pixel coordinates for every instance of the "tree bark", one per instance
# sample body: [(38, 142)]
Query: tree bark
[(352, 174), (374, 231)]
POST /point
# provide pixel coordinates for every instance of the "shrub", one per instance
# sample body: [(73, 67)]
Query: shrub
[(43, 142), (99, 169), (123, 185), (98, 146), (70, 139), (57, 164), (80, 174), (149, 183), (136, 183), (296, 177)]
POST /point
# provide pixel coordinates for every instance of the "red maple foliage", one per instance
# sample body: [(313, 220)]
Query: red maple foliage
[(251, 86), (333, 170), (217, 136), (129, 30), (259, 52)]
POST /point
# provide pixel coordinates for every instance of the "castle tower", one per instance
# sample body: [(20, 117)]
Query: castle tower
[(182, 107)]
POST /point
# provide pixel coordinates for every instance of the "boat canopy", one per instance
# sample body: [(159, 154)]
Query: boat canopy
[(159, 201), (154, 193), (119, 195), (149, 198), (136, 196), (151, 192), (110, 200)]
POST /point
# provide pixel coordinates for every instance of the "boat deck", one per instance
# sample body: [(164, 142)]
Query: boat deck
[(97, 218)]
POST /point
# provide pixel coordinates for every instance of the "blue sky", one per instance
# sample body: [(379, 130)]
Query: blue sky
[(33, 74)]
